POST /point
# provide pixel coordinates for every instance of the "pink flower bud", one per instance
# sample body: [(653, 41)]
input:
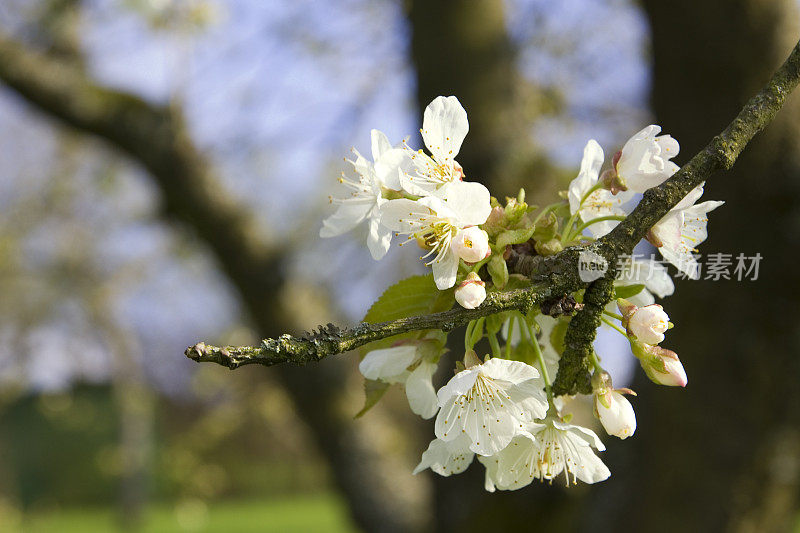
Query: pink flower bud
[(471, 244), (674, 375), (648, 324), (663, 367), (471, 292)]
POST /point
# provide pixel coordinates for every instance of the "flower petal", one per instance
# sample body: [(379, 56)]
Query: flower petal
[(444, 127), (387, 363), (379, 238), (346, 217), (420, 392), (445, 270), (587, 177), (446, 458), (469, 201), (380, 144), (507, 370)]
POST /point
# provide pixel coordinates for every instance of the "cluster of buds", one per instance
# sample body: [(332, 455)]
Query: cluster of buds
[(646, 327)]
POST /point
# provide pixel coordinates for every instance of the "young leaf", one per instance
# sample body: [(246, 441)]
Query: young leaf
[(626, 291), (412, 296), (498, 270), (373, 391)]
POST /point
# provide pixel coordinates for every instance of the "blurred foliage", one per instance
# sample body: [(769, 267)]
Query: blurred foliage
[(322, 512), (62, 449)]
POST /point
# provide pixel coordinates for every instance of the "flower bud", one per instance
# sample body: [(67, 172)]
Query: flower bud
[(613, 182), (648, 324), (471, 292), (615, 413), (661, 366), (471, 244), (673, 375)]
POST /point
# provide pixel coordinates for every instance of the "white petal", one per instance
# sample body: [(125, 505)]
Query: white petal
[(531, 396), (507, 370), (402, 215), (445, 427), (589, 468), (669, 146), (346, 217), (446, 458), (387, 363), (458, 385), (445, 270), (469, 201), (380, 144), (586, 435), (667, 231), (379, 238), (690, 198), (390, 165), (420, 392), (695, 223), (587, 177), (683, 261), (517, 463), (444, 127)]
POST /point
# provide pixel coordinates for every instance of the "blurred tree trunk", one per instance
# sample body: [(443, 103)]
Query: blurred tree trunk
[(462, 48), (724, 454)]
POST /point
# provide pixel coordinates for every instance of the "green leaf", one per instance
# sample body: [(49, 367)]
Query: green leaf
[(514, 236), (498, 270), (412, 296), (374, 391), (626, 291)]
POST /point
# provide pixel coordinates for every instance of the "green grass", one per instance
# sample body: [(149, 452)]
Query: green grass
[(318, 513)]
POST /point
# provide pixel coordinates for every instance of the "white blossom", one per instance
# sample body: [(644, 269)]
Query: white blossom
[(410, 364), (615, 413), (644, 161), (543, 451), (681, 230), (648, 323), (444, 127), (446, 457), (490, 403), (600, 203), (366, 195), (436, 220), (471, 244)]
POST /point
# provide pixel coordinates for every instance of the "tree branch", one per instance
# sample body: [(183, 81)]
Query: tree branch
[(156, 137), (330, 340), (553, 275)]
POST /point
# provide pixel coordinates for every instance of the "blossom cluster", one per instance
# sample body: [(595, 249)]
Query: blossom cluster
[(501, 408)]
